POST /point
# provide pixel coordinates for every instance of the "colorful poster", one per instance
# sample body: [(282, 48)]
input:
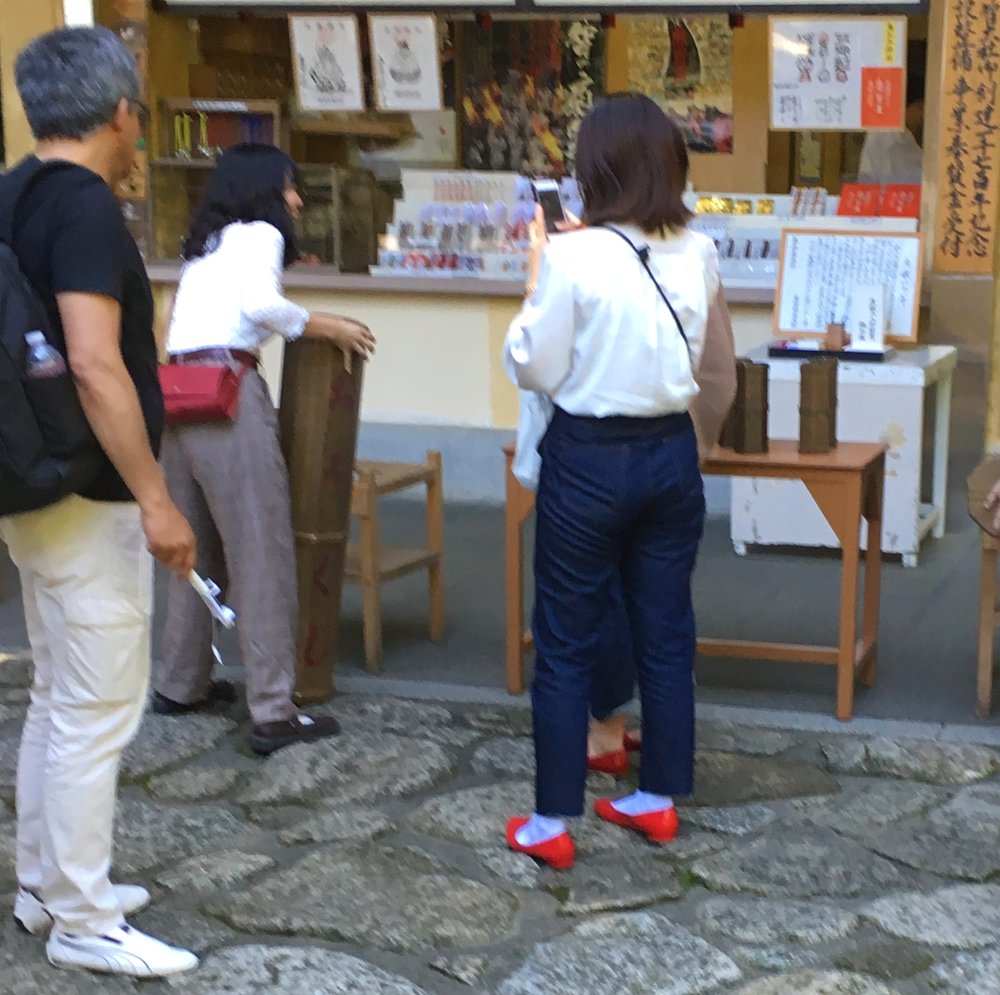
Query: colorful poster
[(406, 62), (326, 58), (838, 74), (527, 87), (686, 66)]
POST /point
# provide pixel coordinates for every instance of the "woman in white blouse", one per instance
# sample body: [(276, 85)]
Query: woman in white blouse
[(613, 333), (229, 478)]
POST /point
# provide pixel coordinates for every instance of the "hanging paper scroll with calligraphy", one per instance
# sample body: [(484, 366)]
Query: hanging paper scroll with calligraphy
[(967, 182), (819, 271), (838, 74)]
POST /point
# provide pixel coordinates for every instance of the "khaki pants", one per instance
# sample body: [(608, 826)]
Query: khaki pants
[(87, 581), (231, 483)]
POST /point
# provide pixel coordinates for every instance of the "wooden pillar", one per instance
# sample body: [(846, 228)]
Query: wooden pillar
[(992, 439), (962, 139), (968, 167), (20, 21)]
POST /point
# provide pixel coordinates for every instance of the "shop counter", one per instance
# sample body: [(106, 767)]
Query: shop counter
[(439, 340)]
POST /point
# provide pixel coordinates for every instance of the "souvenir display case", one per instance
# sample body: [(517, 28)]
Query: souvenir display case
[(194, 134), (452, 223), (747, 229), (337, 226)]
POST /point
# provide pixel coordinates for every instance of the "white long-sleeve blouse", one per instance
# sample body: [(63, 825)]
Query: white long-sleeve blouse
[(232, 297), (597, 338)]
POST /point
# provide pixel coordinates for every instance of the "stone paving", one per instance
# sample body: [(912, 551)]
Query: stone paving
[(374, 864)]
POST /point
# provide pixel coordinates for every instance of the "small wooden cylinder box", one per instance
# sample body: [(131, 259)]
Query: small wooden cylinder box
[(818, 406), (745, 430)]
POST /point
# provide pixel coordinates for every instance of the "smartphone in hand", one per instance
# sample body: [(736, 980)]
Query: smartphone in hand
[(547, 194)]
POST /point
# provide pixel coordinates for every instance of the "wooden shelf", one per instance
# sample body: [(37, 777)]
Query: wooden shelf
[(220, 110), (173, 163), (350, 124), (270, 108), (393, 561)]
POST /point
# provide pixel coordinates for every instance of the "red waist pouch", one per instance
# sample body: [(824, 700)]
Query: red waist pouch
[(195, 392)]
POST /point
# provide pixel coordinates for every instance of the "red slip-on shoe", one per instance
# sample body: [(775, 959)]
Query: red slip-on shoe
[(659, 827), (558, 852), (614, 763), (632, 743)]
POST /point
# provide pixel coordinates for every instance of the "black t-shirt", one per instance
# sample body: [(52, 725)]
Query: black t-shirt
[(70, 237)]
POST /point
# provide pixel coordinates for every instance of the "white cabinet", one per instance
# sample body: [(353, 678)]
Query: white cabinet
[(877, 402)]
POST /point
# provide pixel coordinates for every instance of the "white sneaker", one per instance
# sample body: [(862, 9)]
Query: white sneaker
[(123, 950), (32, 916)]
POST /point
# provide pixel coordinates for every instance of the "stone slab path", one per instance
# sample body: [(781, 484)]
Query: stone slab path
[(373, 864)]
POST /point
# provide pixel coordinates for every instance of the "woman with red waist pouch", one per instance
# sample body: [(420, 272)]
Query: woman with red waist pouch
[(229, 477)]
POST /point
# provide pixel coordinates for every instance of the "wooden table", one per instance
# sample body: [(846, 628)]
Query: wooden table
[(847, 486), (876, 402)]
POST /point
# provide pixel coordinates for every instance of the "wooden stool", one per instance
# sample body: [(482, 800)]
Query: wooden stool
[(988, 618), (371, 564)]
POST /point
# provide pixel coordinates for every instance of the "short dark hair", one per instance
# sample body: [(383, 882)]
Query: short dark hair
[(248, 184), (632, 165)]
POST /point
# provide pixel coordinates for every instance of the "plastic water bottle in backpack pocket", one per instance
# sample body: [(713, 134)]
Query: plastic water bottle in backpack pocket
[(41, 360)]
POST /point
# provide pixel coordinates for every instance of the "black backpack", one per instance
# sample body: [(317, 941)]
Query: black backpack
[(47, 448)]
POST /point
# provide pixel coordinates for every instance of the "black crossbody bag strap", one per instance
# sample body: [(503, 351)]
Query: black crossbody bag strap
[(643, 255)]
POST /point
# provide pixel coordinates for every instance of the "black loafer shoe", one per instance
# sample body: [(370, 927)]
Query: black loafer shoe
[(219, 693), (271, 736)]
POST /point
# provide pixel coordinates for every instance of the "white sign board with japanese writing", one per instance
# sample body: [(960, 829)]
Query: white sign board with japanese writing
[(818, 271), (838, 73)]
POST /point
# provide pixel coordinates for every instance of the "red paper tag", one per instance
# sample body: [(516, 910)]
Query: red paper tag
[(883, 100), (901, 200), (859, 200)]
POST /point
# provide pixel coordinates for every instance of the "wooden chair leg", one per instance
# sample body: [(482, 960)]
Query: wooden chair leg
[(371, 580), (435, 543), (987, 623)]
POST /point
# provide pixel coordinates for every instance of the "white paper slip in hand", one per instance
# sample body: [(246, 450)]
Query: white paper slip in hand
[(209, 592)]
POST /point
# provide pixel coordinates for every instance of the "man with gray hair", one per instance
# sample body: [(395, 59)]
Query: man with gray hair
[(86, 574)]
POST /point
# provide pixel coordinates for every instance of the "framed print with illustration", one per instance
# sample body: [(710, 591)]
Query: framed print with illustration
[(326, 56), (406, 62)]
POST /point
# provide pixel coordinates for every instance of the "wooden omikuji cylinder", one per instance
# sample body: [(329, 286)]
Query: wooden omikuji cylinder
[(755, 407), (818, 406), (731, 427), (745, 430), (320, 404)]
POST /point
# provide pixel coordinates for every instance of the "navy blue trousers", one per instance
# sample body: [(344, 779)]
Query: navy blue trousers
[(620, 506), (613, 685)]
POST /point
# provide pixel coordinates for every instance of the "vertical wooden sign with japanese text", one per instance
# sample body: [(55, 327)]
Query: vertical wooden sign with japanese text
[(968, 180)]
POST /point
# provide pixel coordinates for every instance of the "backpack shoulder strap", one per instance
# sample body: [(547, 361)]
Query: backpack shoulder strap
[(9, 214), (643, 254)]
